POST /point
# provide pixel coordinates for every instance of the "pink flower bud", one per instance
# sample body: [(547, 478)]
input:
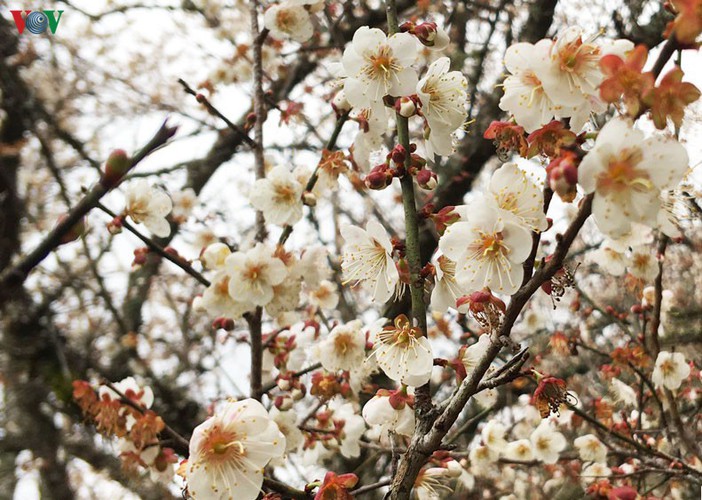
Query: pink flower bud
[(398, 155), (379, 178), (562, 175), (430, 35), (427, 179), (140, 255), (223, 323), (117, 164)]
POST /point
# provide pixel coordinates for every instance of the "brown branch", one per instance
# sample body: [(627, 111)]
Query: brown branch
[(16, 275), (214, 111), (177, 260)]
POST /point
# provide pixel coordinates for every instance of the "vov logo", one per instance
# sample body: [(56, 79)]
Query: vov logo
[(36, 21)]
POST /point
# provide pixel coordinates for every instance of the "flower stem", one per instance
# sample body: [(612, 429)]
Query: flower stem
[(414, 260)]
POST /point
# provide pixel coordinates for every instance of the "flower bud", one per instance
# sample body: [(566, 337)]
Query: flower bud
[(427, 179), (284, 384), (309, 199), (430, 35), (379, 178), (223, 323), (117, 164), (115, 225), (340, 103), (406, 107), (140, 255), (283, 403), (454, 468), (398, 155), (562, 175), (214, 255)]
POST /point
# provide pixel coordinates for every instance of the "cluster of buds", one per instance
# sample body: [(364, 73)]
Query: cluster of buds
[(562, 175), (429, 34), (508, 138), (550, 394), (122, 410), (116, 166), (484, 307), (396, 165)]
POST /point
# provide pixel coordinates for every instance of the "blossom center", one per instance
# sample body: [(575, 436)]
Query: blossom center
[(221, 446), (222, 286), (343, 343), (492, 246), (285, 20), (285, 193), (622, 174), (252, 273), (381, 64), (576, 54), (667, 367)]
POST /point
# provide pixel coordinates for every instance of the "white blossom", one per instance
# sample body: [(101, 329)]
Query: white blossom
[(547, 443), (443, 96), (591, 449), (214, 255), (594, 472), (229, 451), (253, 274), (324, 296), (289, 20), (493, 435), (217, 301), (518, 196), (287, 425), (404, 354), (488, 249), (278, 196), (670, 370), (446, 289), (627, 173), (149, 206), (570, 69), (623, 392), (377, 65), (525, 97), (379, 411), (344, 348), (368, 258), (519, 450)]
